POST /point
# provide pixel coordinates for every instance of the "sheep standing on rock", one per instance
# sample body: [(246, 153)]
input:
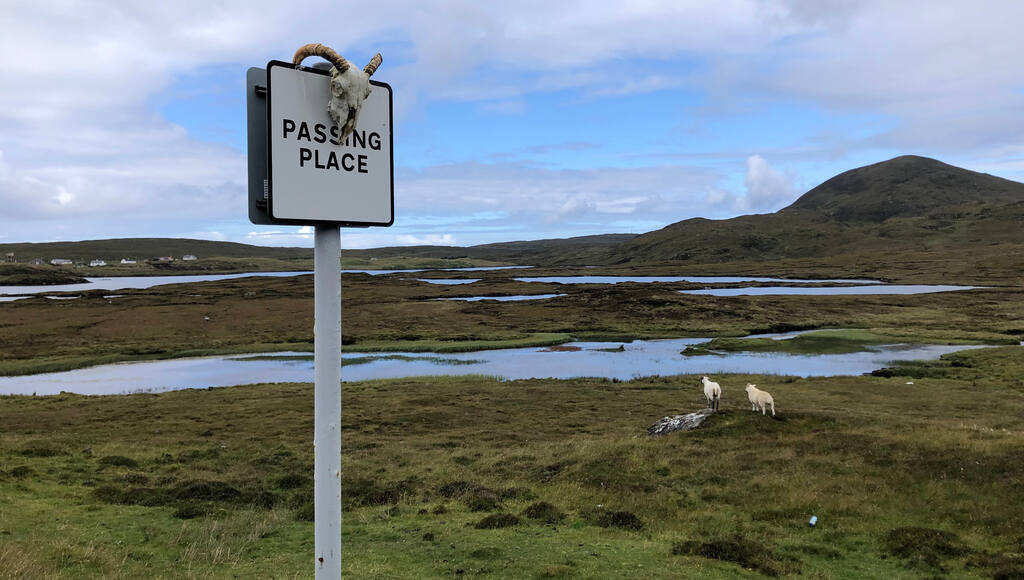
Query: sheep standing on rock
[(759, 399), (713, 392)]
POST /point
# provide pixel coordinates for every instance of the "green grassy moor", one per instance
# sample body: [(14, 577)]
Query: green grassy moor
[(917, 474)]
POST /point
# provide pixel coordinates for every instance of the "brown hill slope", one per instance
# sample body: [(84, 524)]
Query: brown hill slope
[(907, 204), (142, 248), (577, 250), (907, 186)]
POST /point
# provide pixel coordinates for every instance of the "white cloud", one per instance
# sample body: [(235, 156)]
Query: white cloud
[(428, 240), (64, 197), (78, 130), (508, 107), (625, 205), (291, 237), (541, 197), (768, 189), (82, 140), (716, 197), (575, 205), (632, 86), (209, 235), (948, 73)]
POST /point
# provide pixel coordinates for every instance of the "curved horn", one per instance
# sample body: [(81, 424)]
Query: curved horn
[(325, 52), (371, 68)]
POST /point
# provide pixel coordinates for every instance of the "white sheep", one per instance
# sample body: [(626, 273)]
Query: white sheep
[(759, 399), (713, 392)]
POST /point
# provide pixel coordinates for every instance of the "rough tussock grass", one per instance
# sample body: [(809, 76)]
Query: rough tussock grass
[(435, 458)]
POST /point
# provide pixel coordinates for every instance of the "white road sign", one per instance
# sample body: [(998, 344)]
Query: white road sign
[(313, 178)]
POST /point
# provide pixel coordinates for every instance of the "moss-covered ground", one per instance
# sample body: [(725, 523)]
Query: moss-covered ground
[(914, 473), (909, 477)]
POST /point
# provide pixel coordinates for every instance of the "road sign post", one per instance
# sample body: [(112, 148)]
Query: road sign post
[(327, 400), (299, 171), (303, 172)]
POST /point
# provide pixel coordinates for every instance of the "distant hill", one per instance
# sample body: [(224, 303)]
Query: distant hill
[(907, 186), (905, 204), (574, 250), (578, 250), (144, 248)]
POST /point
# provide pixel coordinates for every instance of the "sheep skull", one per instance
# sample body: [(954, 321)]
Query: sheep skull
[(349, 85)]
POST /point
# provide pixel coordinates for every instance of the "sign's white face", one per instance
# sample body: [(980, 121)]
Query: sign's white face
[(313, 176)]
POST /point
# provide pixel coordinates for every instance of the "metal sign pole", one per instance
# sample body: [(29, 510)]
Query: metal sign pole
[(327, 401), (311, 163)]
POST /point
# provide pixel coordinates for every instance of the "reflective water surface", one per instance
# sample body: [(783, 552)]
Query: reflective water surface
[(637, 359), (134, 282), (477, 269), (10, 293), (830, 291), (693, 279), (505, 298), (448, 281)]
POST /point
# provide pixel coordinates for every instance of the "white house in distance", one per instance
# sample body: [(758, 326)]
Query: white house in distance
[(127, 261), (61, 262), (95, 263), (188, 257)]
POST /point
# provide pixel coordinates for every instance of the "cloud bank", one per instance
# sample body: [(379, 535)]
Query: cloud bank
[(86, 150)]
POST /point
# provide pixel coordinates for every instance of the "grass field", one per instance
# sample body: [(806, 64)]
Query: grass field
[(915, 473), (530, 479)]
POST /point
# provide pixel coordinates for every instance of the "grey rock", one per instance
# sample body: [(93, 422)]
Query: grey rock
[(679, 423)]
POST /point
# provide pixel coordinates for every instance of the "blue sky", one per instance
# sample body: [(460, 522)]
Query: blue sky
[(526, 120)]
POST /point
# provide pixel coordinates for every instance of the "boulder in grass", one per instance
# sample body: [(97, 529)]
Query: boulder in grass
[(679, 423)]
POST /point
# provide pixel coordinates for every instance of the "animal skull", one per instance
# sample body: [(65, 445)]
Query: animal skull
[(349, 85)]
